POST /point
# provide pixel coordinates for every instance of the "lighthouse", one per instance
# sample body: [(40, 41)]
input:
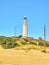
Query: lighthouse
[(25, 27)]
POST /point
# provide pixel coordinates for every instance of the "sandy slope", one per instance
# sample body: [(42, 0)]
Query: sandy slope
[(21, 57)]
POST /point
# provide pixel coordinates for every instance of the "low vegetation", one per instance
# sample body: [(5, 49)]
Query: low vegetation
[(7, 42), (12, 42)]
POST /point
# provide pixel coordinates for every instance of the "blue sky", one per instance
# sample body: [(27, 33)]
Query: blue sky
[(12, 13)]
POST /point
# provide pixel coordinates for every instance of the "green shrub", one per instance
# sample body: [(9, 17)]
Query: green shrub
[(6, 46), (47, 44), (23, 42), (2, 40), (11, 45), (41, 43), (33, 43)]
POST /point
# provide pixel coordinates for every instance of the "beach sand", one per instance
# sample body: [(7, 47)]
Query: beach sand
[(23, 57)]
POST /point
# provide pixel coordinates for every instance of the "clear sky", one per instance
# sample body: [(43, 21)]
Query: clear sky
[(12, 13)]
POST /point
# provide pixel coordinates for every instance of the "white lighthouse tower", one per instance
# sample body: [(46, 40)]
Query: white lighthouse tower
[(25, 28)]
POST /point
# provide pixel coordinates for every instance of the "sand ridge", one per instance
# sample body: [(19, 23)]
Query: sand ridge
[(21, 57)]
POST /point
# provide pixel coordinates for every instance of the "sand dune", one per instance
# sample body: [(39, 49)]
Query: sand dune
[(21, 57)]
